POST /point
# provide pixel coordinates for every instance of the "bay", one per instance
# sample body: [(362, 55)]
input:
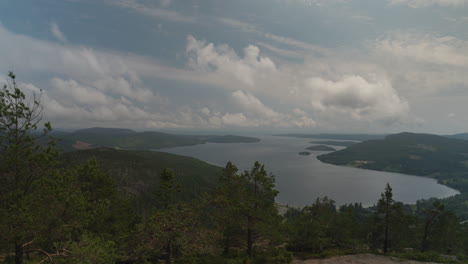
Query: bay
[(301, 179)]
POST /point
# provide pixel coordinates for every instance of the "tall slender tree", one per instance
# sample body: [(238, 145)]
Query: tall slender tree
[(384, 217), (259, 204), (22, 162)]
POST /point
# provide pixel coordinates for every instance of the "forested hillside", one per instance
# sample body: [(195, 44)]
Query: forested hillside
[(137, 172)]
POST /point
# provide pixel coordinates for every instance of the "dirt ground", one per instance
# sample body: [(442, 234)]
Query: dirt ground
[(359, 259)]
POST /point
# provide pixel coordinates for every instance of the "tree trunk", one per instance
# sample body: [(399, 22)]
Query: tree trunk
[(424, 240), (19, 254), (227, 246), (168, 252), (249, 236), (385, 245)]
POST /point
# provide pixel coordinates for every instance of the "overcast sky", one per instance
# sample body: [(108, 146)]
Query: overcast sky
[(347, 66)]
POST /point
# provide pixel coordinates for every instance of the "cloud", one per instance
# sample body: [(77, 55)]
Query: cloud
[(161, 13), (282, 40), (315, 2), (356, 96), (85, 87), (244, 26), (426, 48), (423, 63), (54, 28), (426, 3), (281, 52), (362, 18), (166, 3), (224, 61)]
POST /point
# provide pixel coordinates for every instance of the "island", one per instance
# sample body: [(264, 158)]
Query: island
[(321, 148)]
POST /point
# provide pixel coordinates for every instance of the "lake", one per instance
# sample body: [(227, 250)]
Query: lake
[(301, 179)]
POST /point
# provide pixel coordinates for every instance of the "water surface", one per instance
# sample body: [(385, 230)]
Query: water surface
[(301, 179)]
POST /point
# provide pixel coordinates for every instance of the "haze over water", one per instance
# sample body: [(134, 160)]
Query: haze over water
[(301, 179)]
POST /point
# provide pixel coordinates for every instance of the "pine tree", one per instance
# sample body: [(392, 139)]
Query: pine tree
[(22, 162), (384, 216), (259, 203), (227, 200)]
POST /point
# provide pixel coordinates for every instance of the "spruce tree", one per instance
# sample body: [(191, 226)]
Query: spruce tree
[(384, 206)]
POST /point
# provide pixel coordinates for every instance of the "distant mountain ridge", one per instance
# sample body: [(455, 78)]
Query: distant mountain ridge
[(121, 138), (463, 136), (360, 137), (104, 130), (354, 137)]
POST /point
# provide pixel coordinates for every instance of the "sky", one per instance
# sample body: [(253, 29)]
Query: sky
[(306, 66)]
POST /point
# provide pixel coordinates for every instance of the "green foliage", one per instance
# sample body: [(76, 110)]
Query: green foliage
[(168, 188), (22, 164), (389, 223), (313, 226), (136, 173), (245, 209), (90, 250)]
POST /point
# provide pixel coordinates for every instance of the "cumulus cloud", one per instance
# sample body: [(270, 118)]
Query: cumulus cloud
[(426, 3), (58, 34), (223, 60), (356, 96)]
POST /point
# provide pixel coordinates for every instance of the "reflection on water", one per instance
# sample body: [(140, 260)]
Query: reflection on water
[(301, 179)]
